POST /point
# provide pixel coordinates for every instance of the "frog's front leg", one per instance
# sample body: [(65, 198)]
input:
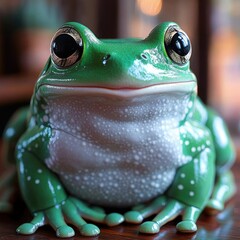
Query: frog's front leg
[(192, 188), (45, 195), (187, 196)]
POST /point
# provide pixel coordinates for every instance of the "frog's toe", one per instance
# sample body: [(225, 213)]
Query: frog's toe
[(65, 231), (133, 217), (214, 206), (26, 229), (89, 230), (149, 227), (187, 226), (114, 219)]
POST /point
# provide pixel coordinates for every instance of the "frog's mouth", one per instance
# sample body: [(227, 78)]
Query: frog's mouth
[(49, 90)]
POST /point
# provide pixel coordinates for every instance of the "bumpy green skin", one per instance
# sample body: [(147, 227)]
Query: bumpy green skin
[(203, 182)]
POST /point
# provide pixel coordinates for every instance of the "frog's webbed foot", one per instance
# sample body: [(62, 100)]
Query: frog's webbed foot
[(224, 189), (72, 210), (55, 216), (170, 211)]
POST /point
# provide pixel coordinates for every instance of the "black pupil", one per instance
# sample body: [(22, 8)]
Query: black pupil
[(64, 46), (180, 44)]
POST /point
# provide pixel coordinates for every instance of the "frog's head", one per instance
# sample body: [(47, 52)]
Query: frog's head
[(78, 58), (123, 69)]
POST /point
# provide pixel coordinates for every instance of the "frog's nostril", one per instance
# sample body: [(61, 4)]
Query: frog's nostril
[(105, 59), (144, 56)]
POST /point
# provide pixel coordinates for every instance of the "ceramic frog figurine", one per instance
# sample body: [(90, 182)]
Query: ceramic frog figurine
[(117, 123)]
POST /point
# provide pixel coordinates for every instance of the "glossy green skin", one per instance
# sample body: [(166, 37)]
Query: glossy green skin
[(203, 181)]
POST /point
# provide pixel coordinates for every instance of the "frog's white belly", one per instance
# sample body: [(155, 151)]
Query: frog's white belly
[(116, 153)]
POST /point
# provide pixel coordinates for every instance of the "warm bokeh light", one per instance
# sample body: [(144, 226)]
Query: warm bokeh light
[(150, 7)]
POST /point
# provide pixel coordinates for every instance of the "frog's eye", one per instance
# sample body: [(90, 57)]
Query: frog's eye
[(66, 47), (177, 45)]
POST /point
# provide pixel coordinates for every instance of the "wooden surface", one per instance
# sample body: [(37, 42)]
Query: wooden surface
[(225, 225)]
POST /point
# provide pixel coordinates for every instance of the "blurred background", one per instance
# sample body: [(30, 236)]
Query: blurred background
[(26, 29)]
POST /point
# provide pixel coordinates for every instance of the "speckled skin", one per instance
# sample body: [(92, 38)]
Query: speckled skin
[(122, 125)]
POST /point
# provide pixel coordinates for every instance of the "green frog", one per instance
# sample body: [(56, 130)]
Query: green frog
[(118, 123)]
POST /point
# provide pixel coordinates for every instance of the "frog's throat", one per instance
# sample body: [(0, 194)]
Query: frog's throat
[(47, 90)]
